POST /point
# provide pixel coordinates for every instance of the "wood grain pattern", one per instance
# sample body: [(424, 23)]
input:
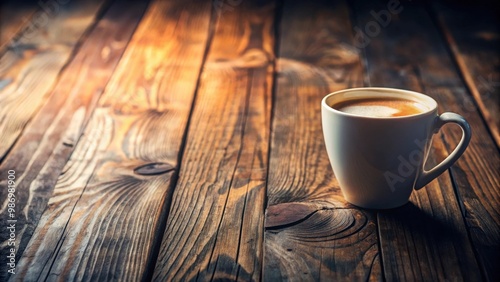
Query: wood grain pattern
[(14, 16), (330, 243), (413, 237), (47, 142), (218, 206), (30, 68), (101, 221), (475, 44), (312, 234)]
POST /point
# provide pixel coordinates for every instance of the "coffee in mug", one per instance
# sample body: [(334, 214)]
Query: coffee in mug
[(380, 107)]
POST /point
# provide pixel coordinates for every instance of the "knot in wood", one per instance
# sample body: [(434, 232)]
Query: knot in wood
[(153, 169)]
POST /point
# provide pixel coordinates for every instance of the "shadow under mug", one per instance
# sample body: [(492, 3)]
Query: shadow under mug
[(378, 161)]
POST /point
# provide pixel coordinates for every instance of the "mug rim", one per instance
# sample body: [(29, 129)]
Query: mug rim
[(427, 100)]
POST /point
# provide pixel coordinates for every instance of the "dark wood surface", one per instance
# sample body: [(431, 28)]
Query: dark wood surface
[(181, 140), (427, 68)]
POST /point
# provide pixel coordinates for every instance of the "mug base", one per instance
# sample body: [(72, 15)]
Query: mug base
[(378, 206)]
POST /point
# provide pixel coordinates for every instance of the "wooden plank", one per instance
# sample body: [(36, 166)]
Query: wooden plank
[(30, 67), (14, 16), (312, 234), (101, 222), (47, 142), (475, 45), (216, 223), (427, 240)]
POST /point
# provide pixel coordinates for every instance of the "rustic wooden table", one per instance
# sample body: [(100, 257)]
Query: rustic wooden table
[(181, 140)]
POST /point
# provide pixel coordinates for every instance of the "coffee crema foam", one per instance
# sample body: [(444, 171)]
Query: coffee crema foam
[(380, 107)]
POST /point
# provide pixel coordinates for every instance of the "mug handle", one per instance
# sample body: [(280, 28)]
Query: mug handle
[(427, 176)]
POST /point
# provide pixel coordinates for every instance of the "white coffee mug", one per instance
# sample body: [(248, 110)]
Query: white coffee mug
[(379, 161)]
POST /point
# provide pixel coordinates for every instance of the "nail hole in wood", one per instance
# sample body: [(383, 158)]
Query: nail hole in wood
[(153, 169), (67, 144)]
